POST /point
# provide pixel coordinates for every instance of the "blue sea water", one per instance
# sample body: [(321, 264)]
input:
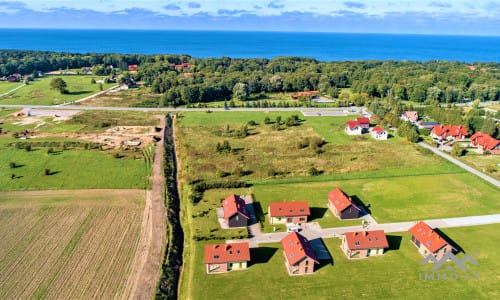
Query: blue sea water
[(204, 44)]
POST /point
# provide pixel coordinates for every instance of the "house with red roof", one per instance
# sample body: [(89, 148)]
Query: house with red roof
[(299, 254), (485, 143), (235, 211), (306, 94), (342, 206), (353, 128), (133, 68), (222, 258), (411, 116), (364, 122), (449, 132), (362, 244), (378, 133), (428, 241), (295, 212)]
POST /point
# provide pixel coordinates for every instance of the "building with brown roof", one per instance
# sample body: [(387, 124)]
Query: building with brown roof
[(428, 241), (362, 244), (288, 212), (221, 258), (342, 206), (299, 254), (235, 211)]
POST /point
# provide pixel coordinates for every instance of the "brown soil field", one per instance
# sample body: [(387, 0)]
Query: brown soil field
[(79, 244)]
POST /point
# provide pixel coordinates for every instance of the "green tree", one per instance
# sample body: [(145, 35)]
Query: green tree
[(60, 85), (456, 150), (489, 127), (241, 91)]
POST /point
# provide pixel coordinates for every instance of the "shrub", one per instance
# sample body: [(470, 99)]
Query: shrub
[(251, 122), (12, 165), (47, 172), (27, 147), (313, 171), (50, 150)]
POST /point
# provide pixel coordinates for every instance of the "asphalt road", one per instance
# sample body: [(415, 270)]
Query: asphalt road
[(461, 164)]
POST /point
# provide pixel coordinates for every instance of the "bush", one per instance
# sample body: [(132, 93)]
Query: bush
[(50, 150), (313, 171), (12, 165), (27, 147), (251, 122), (47, 172)]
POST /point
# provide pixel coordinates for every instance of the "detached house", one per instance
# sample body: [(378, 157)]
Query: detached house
[(485, 143), (429, 241), (362, 244), (299, 254), (133, 68), (353, 128), (342, 206), (288, 212), (449, 132), (378, 133), (411, 116), (235, 211), (221, 258)]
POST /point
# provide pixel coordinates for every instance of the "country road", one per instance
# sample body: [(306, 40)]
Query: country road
[(461, 164)]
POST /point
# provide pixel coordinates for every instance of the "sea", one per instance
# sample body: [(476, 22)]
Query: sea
[(246, 44)]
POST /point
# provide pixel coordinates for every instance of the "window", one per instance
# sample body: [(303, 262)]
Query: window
[(357, 243), (216, 256)]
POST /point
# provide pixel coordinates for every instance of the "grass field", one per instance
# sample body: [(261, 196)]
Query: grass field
[(137, 97), (76, 244), (38, 92), (6, 86), (392, 276), (70, 169), (489, 164)]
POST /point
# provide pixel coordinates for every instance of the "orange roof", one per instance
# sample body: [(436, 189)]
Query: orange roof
[(224, 253), (378, 129), (297, 247), (427, 236), (366, 239), (352, 124), (339, 199), (289, 209), (233, 205), (485, 141), (449, 130), (363, 120)]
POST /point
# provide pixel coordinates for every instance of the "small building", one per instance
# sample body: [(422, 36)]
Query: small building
[(485, 143), (353, 128), (411, 116), (307, 94), (133, 68), (378, 133), (299, 254), (222, 258), (235, 211), (342, 206), (288, 212), (449, 132), (428, 241), (364, 122), (362, 244), (427, 125)]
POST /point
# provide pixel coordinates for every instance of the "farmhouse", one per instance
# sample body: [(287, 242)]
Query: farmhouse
[(411, 116), (361, 244), (299, 254), (235, 211), (429, 241), (221, 258), (485, 143), (288, 212), (449, 132), (342, 206), (378, 133)]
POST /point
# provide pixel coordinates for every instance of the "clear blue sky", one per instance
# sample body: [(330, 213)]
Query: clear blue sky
[(478, 17)]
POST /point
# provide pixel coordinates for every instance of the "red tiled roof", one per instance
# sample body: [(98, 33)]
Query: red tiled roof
[(352, 124), (427, 236), (233, 205), (339, 199), (224, 253), (366, 239), (378, 129), (304, 94), (363, 120), (289, 209), (297, 247), (449, 130), (485, 141)]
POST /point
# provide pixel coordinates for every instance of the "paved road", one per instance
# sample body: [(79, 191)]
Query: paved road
[(313, 231), (461, 164)]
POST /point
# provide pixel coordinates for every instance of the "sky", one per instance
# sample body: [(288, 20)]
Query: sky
[(456, 17)]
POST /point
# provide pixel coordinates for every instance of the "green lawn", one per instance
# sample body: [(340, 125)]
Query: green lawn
[(489, 164), (392, 276), (6, 86), (70, 169), (38, 92)]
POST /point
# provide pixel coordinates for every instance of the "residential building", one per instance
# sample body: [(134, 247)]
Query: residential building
[(362, 244), (428, 241), (449, 132), (485, 143), (221, 258), (353, 128), (299, 254), (410, 116), (378, 133), (295, 212), (342, 206), (235, 211)]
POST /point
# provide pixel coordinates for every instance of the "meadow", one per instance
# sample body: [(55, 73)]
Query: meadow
[(38, 92), (69, 244), (395, 275), (6, 86), (489, 164), (136, 97)]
